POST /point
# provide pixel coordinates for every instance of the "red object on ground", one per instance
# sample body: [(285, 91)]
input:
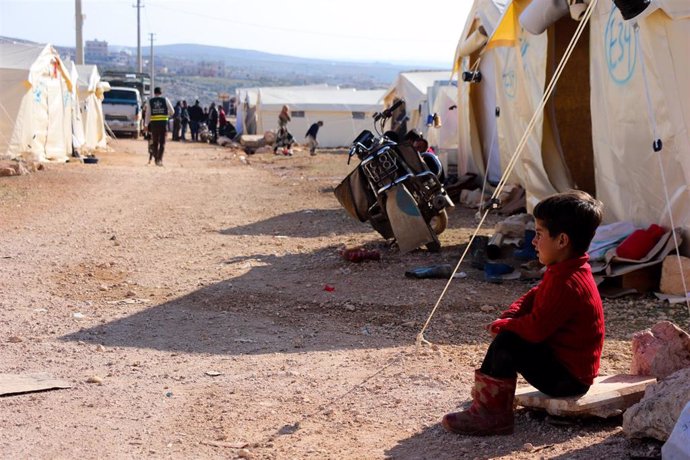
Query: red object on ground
[(328, 288), (640, 242), (360, 254)]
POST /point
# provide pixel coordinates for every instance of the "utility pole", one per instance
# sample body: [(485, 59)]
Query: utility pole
[(79, 22), (140, 63), (153, 83)]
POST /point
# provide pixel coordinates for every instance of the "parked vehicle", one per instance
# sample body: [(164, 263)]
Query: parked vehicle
[(122, 111), (140, 81), (394, 190)]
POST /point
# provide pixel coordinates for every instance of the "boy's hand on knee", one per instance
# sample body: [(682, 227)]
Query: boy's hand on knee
[(498, 326)]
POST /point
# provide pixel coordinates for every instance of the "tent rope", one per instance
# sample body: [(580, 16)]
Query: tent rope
[(513, 160), (657, 147)]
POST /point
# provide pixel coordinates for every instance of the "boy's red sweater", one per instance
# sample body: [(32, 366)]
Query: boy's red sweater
[(565, 312)]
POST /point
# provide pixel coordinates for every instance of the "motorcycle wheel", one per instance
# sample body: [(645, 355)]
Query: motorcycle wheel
[(439, 223)]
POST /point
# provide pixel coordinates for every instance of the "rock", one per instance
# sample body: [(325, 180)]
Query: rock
[(6, 171), (660, 351), (672, 277), (409, 324), (528, 447), (15, 339), (656, 414), (486, 308), (100, 347), (350, 307), (131, 294), (245, 453), (95, 379)]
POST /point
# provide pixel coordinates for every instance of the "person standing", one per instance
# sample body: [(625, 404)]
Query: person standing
[(283, 137), (196, 115), (311, 137), (222, 121), (213, 122), (184, 120), (158, 111), (177, 116)]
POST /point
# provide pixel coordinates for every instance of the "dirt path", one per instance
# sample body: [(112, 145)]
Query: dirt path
[(195, 292)]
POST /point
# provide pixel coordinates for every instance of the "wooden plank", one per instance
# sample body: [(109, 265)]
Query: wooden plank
[(607, 397), (26, 383)]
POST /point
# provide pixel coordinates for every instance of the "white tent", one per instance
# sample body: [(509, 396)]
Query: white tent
[(246, 104), (344, 112), (77, 122), (36, 114), (90, 91), (596, 133), (412, 87), (443, 102)]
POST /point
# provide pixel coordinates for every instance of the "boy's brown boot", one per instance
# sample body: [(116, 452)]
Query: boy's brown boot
[(491, 411)]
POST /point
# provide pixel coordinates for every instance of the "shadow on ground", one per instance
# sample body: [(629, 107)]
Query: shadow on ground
[(531, 427), (312, 301), (309, 223)]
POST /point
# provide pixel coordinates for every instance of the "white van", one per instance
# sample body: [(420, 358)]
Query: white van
[(122, 110)]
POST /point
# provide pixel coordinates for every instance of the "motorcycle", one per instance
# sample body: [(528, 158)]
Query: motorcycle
[(394, 190)]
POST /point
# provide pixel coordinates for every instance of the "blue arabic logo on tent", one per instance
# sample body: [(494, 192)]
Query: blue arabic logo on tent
[(620, 48)]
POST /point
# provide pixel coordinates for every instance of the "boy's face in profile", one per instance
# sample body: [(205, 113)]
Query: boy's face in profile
[(550, 249)]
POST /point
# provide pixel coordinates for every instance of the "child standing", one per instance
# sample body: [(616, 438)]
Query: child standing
[(554, 334)]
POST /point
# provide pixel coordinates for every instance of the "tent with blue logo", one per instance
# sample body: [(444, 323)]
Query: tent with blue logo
[(35, 103), (618, 122)]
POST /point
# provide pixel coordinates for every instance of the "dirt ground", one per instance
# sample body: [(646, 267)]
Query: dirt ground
[(195, 294)]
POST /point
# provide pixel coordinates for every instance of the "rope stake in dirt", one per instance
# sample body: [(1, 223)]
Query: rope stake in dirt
[(657, 147), (513, 159)]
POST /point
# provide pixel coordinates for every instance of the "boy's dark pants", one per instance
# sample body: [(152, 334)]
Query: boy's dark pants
[(509, 354)]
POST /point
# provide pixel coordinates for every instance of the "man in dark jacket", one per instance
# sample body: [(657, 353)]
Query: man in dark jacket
[(213, 122), (196, 114), (311, 137), (158, 111)]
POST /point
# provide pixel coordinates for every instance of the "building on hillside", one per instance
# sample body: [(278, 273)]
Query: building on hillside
[(96, 50)]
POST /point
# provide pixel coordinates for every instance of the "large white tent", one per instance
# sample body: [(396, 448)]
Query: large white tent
[(344, 112), (35, 107), (412, 87), (619, 92)]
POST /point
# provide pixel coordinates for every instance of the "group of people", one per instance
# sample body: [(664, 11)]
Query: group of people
[(285, 139), (196, 117)]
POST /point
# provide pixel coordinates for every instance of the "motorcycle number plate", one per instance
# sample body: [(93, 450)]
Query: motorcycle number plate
[(381, 166)]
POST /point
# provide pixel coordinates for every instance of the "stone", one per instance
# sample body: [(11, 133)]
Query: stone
[(95, 379), (660, 351), (658, 411), (15, 339), (6, 171), (671, 277), (609, 396)]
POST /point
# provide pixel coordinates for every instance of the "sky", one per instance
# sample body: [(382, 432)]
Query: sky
[(362, 30)]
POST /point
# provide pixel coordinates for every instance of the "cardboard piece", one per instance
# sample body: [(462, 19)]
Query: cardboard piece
[(11, 384), (609, 396)]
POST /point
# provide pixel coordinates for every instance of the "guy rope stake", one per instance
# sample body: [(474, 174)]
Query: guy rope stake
[(513, 160)]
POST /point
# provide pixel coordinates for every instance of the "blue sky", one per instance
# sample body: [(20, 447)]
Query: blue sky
[(352, 30)]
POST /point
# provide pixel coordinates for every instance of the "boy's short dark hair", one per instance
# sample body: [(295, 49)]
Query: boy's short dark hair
[(157, 90), (575, 213)]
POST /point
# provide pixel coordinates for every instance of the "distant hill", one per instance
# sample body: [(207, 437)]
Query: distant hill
[(250, 68)]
